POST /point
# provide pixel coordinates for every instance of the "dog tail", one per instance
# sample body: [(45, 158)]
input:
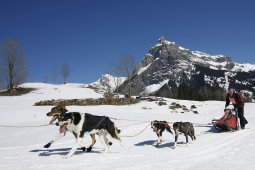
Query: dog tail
[(169, 129), (113, 130), (192, 131), (117, 132)]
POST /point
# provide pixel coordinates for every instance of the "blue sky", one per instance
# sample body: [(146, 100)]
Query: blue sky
[(89, 34)]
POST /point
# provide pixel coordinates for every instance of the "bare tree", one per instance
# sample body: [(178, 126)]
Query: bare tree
[(15, 70), (124, 67), (64, 72)]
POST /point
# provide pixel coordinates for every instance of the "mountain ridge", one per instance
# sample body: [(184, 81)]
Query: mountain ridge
[(168, 64)]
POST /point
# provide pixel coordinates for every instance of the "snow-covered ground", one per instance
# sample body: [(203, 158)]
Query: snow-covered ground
[(22, 148)]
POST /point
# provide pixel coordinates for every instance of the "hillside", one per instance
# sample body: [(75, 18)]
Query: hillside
[(22, 148)]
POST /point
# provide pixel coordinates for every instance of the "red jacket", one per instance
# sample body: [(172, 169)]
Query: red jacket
[(235, 99)]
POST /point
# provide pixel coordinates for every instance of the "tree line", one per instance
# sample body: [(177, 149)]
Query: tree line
[(202, 94), (14, 69)]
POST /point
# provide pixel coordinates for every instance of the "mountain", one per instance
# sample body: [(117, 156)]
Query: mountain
[(107, 82), (170, 70)]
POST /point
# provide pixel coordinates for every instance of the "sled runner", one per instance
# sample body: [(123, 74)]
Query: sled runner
[(228, 122)]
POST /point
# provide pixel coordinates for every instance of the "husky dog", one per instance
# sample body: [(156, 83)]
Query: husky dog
[(186, 128), (84, 123), (159, 127), (55, 114)]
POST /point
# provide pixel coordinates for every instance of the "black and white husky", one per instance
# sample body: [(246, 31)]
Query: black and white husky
[(81, 123), (55, 113)]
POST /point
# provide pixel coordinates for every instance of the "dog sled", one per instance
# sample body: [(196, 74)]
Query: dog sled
[(228, 122)]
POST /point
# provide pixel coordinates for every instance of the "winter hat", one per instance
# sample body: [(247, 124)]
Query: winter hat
[(231, 90)]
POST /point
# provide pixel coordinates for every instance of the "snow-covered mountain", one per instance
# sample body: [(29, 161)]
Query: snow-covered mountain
[(168, 66), (108, 82)]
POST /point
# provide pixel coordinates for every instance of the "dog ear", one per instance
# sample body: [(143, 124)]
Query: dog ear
[(61, 104), (175, 124), (64, 110)]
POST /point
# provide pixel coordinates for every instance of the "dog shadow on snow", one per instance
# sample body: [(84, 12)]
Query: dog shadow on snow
[(62, 151), (153, 143)]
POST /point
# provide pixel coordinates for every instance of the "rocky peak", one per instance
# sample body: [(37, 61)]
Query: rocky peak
[(222, 58), (168, 52), (168, 64)]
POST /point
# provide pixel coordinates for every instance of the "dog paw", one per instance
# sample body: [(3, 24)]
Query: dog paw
[(89, 149), (83, 149), (47, 145), (106, 150), (65, 157)]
